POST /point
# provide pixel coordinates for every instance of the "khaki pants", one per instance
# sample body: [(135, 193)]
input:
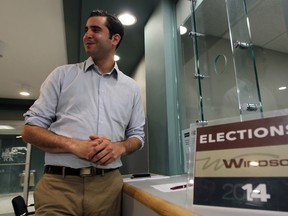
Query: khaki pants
[(79, 196)]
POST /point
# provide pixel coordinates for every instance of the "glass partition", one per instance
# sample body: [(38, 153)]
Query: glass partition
[(12, 164), (233, 63), (233, 60), (21, 166), (248, 91)]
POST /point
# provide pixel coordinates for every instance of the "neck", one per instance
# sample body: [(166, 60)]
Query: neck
[(104, 66)]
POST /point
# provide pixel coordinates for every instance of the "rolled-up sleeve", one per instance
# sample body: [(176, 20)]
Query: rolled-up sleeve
[(42, 112), (137, 122)]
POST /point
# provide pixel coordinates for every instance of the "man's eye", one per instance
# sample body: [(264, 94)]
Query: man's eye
[(95, 29)]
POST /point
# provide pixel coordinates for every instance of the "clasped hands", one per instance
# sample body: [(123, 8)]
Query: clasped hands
[(102, 151)]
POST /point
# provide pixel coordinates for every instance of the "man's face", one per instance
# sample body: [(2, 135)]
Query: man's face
[(96, 39)]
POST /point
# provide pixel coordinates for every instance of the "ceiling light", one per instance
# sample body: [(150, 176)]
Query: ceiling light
[(24, 93), (116, 58), (183, 30), (127, 19), (6, 127), (25, 90), (282, 88)]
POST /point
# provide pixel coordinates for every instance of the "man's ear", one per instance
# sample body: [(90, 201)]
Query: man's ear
[(116, 39)]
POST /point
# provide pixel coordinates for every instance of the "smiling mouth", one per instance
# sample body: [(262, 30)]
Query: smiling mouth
[(89, 45), (88, 42)]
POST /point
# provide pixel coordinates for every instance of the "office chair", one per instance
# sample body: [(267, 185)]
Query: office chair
[(20, 207)]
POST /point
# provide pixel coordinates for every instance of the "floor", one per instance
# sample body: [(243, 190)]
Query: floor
[(6, 207)]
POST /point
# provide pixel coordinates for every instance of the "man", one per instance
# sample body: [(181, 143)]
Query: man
[(87, 116)]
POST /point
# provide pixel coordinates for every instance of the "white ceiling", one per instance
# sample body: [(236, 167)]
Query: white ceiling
[(32, 42), (268, 21)]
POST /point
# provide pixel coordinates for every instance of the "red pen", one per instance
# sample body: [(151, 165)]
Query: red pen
[(178, 187)]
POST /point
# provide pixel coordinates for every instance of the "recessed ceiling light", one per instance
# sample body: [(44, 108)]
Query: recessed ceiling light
[(127, 19), (6, 127), (282, 88), (24, 93), (116, 58), (183, 30)]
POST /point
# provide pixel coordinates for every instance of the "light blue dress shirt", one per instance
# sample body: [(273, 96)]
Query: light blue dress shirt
[(76, 101)]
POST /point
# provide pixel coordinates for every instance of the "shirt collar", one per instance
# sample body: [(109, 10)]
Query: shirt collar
[(90, 63)]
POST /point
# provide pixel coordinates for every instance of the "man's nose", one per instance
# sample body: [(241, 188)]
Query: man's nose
[(88, 33)]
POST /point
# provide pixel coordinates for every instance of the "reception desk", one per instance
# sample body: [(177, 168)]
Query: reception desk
[(141, 198)]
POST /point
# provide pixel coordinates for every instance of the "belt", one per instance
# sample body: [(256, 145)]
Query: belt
[(82, 172)]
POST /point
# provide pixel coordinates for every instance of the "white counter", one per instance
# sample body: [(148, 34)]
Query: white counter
[(141, 198)]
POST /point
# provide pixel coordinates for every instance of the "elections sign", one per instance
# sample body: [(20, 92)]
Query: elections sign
[(243, 165)]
